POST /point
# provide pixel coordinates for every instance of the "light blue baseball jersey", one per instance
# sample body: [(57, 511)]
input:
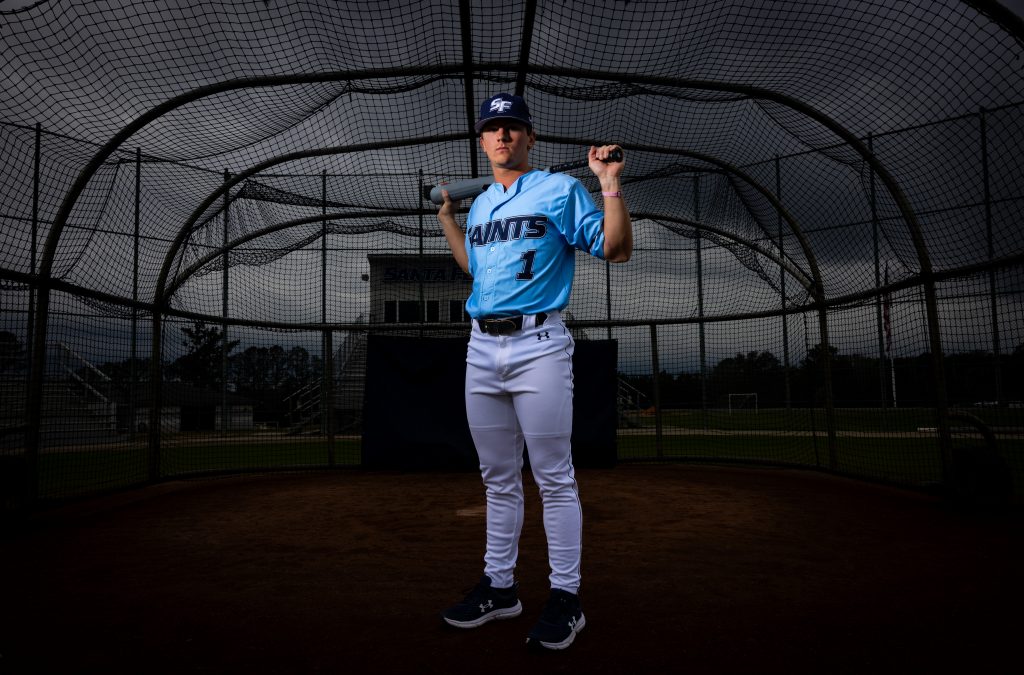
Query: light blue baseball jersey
[(521, 243)]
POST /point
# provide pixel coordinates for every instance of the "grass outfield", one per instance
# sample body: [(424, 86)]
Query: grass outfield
[(880, 420), (905, 460), (82, 471), (910, 461)]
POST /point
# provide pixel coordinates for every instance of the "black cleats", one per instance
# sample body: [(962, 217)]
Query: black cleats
[(561, 620), (484, 603)]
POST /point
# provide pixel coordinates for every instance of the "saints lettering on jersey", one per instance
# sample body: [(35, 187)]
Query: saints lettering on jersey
[(521, 242), (508, 229)]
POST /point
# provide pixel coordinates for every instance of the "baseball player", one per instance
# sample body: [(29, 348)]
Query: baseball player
[(519, 246)]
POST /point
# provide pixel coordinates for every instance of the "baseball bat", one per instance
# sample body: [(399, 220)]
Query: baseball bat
[(472, 187)]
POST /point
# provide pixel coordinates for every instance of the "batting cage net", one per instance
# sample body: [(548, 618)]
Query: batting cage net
[(210, 209)]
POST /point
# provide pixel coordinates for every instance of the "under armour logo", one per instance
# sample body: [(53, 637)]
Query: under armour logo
[(543, 336), (486, 606), (500, 105)]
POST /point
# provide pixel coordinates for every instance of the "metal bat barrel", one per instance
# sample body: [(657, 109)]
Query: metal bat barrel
[(461, 189), (472, 187)]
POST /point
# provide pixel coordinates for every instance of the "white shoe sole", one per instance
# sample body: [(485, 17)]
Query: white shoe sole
[(502, 613), (567, 641)]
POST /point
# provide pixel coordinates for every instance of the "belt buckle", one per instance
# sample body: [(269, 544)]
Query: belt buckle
[(499, 326)]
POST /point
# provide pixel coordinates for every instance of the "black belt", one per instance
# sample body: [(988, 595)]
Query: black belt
[(506, 325)]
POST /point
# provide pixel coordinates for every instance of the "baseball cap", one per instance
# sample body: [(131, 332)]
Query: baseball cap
[(504, 106)]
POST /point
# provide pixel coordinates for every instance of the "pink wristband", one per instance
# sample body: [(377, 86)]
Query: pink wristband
[(611, 194)]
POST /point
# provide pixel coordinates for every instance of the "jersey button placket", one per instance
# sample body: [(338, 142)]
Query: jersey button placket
[(489, 281)]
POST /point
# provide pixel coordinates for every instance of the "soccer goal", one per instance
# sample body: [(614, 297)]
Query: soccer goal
[(743, 402)]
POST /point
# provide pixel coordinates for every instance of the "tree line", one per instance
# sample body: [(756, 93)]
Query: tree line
[(972, 378), (267, 375), (264, 375)]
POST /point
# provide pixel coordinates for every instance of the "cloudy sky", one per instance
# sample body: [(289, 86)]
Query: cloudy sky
[(727, 117)]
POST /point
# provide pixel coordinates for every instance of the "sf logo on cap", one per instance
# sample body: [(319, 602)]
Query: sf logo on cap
[(500, 105)]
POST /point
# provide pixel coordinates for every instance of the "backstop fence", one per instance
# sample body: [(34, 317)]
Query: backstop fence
[(209, 209), (259, 393)]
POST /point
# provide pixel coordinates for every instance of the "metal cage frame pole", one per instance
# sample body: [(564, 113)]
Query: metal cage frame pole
[(608, 294), (659, 450), (699, 258), (37, 161), (327, 336), (33, 413), (787, 389), (468, 78), (986, 182), (133, 370), (811, 408), (420, 287), (224, 418), (155, 395), (879, 321)]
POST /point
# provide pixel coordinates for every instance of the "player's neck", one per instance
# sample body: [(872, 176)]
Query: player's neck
[(509, 175)]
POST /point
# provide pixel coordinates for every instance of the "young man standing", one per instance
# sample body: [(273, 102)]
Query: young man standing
[(519, 247)]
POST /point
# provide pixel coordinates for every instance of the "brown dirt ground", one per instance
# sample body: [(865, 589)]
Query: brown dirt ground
[(693, 569)]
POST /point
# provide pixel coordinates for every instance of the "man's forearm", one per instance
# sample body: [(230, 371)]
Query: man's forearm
[(618, 229), (456, 241)]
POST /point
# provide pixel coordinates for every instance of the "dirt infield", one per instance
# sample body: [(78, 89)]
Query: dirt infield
[(690, 569)]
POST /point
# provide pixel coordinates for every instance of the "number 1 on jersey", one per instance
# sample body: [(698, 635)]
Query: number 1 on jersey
[(527, 272)]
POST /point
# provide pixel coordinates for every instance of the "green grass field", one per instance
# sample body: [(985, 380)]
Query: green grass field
[(878, 420), (64, 474), (911, 461), (876, 444)]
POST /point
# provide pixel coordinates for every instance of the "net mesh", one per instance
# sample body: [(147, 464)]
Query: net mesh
[(239, 165)]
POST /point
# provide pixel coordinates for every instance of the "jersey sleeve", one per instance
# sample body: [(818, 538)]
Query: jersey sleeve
[(470, 219), (582, 223)]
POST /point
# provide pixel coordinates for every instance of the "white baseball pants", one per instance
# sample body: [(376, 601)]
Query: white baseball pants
[(519, 389)]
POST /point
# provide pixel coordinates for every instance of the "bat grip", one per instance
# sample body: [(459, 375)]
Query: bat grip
[(614, 156)]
